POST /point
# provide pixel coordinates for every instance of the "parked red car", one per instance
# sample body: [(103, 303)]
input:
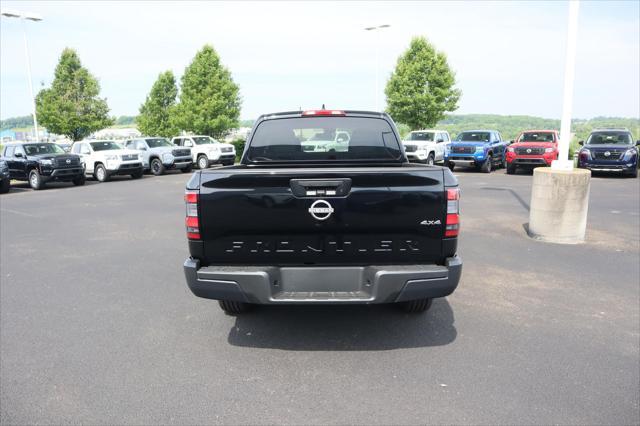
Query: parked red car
[(532, 148)]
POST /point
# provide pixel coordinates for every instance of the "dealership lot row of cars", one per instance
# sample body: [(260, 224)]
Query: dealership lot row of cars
[(39, 163), (606, 150)]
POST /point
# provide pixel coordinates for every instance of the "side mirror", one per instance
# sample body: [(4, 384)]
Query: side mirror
[(510, 142), (18, 155), (581, 143), (638, 143), (440, 140)]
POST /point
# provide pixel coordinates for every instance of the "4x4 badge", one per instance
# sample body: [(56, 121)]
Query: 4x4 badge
[(431, 222), (321, 210)]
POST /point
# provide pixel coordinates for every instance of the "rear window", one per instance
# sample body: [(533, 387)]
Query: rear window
[(323, 139)]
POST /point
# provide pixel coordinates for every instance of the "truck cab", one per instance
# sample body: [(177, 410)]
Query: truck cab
[(482, 149), (206, 151), (39, 163), (532, 148), (104, 159), (159, 155), (426, 146), (610, 150)]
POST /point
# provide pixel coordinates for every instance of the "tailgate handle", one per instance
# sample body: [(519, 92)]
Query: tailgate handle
[(320, 187)]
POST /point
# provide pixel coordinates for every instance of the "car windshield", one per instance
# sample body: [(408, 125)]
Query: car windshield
[(42, 148), (314, 139), (610, 138), (421, 136), (203, 140), (105, 145), (536, 137), (473, 137), (158, 142)]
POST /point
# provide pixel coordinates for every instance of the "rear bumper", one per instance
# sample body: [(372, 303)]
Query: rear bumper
[(332, 284)]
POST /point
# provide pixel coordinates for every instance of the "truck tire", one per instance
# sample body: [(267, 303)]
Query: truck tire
[(416, 306), (35, 180), (100, 173), (157, 168), (187, 169), (137, 175), (487, 165), (203, 162), (633, 173), (511, 169), (449, 165), (504, 161), (80, 180), (234, 308), (430, 160), (5, 186)]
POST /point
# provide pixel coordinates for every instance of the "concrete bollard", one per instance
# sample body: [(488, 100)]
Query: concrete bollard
[(559, 204)]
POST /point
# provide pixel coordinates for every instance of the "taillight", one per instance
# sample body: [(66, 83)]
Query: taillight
[(192, 223), (323, 112), (453, 212)]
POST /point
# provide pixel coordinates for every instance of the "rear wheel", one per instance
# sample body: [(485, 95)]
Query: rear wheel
[(416, 306), (157, 168), (234, 308), (511, 169), (187, 169), (80, 180), (35, 180), (5, 186), (203, 162)]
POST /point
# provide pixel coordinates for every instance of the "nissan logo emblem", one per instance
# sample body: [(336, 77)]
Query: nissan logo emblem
[(607, 153), (321, 210), (68, 161), (528, 150)]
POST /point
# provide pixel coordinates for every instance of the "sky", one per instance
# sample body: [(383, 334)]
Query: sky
[(508, 56)]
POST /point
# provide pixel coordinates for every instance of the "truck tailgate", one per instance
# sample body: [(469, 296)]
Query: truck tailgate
[(382, 215)]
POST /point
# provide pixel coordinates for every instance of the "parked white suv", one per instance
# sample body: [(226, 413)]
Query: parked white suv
[(426, 146), (205, 150), (158, 155), (104, 159)]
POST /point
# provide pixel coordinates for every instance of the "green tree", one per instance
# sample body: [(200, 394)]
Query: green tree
[(71, 106), (156, 112), (209, 99), (421, 89)]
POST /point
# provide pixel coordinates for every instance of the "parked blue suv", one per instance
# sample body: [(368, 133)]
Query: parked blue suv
[(610, 150), (482, 149)]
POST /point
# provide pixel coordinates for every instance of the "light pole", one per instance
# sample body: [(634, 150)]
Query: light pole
[(376, 28), (563, 162), (35, 18)]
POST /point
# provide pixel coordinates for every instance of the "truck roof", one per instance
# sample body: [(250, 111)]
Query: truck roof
[(540, 130), (429, 130)]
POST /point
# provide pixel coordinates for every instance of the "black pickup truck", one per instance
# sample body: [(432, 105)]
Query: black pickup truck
[(42, 162), (352, 223)]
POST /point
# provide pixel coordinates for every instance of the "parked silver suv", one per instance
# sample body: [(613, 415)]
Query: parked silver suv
[(159, 155)]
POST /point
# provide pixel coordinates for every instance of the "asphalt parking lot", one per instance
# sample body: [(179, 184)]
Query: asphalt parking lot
[(98, 326)]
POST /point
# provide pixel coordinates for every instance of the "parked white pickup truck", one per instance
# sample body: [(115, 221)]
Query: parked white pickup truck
[(104, 159), (426, 146), (206, 151), (159, 155)]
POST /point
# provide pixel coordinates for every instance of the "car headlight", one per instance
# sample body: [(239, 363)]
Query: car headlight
[(584, 152), (111, 157), (629, 154), (549, 150), (479, 149), (510, 149), (213, 148), (46, 162), (167, 157)]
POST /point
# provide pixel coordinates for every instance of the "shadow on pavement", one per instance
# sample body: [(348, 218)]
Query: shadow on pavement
[(343, 328), (517, 196)]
